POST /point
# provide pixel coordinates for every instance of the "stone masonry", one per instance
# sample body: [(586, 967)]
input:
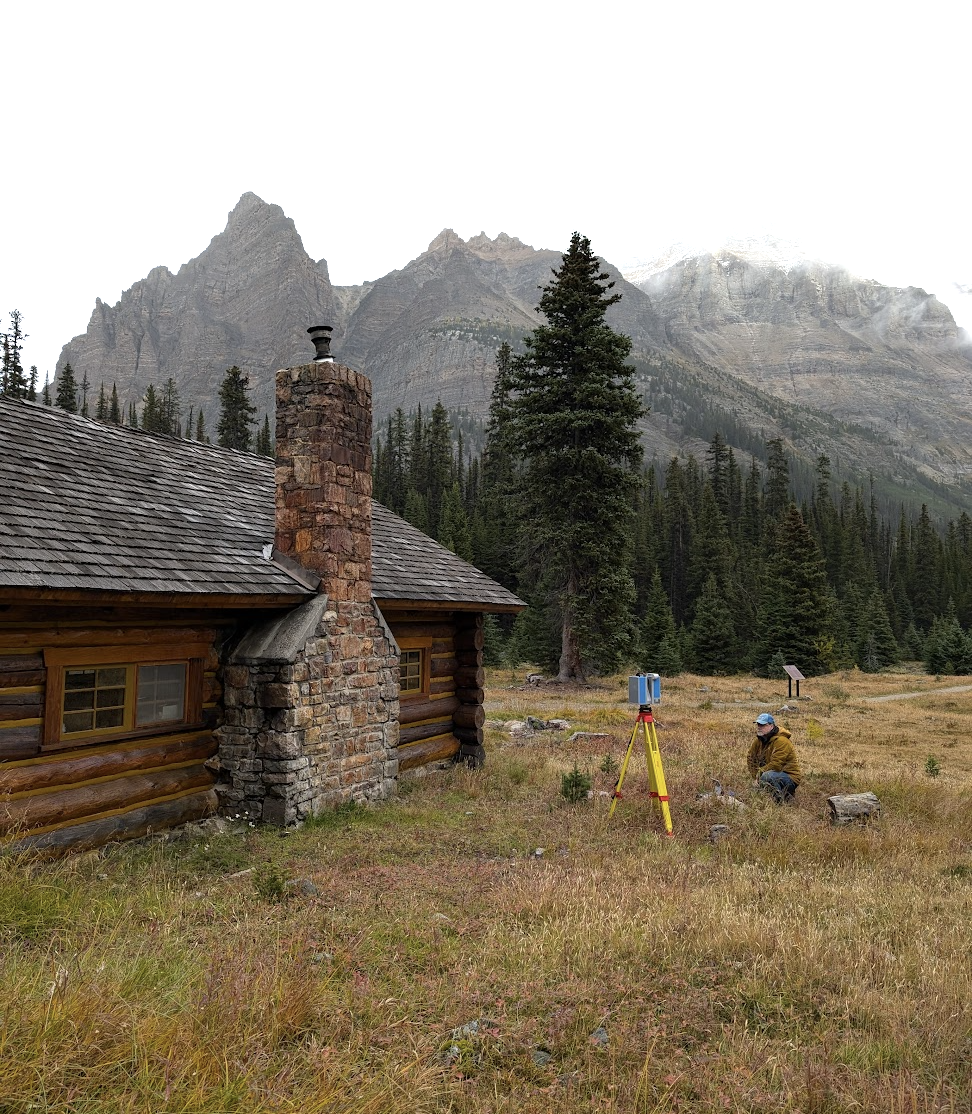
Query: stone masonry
[(311, 699)]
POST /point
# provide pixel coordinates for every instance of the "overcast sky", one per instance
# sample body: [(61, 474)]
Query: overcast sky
[(131, 130)]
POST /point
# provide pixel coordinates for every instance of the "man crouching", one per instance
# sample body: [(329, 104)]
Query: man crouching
[(772, 761)]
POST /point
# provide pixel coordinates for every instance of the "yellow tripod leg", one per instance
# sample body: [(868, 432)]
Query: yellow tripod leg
[(616, 795), (659, 790)]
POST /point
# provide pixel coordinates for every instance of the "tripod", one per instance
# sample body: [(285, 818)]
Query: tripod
[(656, 775)]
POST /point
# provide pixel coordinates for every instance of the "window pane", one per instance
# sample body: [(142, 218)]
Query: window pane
[(111, 698), (410, 671), (114, 676), (79, 678), (111, 717), (77, 721), (74, 701), (161, 694)]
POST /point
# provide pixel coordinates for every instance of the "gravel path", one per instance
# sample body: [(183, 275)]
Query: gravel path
[(908, 695)]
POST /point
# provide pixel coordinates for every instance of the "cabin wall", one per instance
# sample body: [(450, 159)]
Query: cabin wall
[(446, 721), (103, 788)]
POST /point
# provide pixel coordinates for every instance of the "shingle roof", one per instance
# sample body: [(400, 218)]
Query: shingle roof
[(90, 506)]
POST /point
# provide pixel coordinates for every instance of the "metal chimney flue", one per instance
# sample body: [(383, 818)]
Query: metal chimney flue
[(321, 336)]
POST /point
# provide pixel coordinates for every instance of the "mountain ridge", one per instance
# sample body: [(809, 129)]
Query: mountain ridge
[(809, 336)]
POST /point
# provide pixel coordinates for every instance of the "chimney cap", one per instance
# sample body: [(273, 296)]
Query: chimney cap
[(321, 336)]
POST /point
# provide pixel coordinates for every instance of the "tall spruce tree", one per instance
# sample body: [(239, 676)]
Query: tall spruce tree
[(793, 616), (67, 390), (572, 416), (236, 412)]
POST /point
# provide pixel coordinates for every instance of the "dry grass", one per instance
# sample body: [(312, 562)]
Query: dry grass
[(793, 967)]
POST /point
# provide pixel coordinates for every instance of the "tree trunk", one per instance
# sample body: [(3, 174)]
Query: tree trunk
[(571, 666)]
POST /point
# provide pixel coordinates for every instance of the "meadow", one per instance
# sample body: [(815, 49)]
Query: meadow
[(482, 945)]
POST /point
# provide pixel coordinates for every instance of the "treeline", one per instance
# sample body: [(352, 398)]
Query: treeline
[(161, 409), (729, 573)]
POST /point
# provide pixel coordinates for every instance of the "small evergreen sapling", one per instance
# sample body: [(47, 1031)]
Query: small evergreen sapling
[(575, 786)]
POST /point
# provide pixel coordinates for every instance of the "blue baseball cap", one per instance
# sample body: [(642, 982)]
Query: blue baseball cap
[(765, 718)]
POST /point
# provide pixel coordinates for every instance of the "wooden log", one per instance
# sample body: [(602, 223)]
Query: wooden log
[(114, 635), (470, 638), (127, 824), (431, 750), (42, 810), (19, 742), (442, 646), (471, 696), (21, 705), (469, 619), (473, 755), (853, 806), (442, 667), (471, 736), (441, 685), (469, 678), (11, 679), (21, 663), (73, 767), (398, 615), (421, 630), (408, 735), (412, 711), (469, 658), (469, 716)]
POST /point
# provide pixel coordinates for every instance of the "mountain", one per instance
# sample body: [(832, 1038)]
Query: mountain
[(754, 343), (887, 360)]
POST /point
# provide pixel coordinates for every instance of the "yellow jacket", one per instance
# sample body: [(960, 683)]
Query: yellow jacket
[(775, 752)]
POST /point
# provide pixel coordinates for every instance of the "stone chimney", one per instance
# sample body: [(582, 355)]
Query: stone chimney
[(323, 476), (311, 697)]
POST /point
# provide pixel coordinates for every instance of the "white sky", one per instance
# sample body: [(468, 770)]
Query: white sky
[(131, 130)]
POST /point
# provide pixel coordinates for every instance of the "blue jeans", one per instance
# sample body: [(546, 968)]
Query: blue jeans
[(781, 785)]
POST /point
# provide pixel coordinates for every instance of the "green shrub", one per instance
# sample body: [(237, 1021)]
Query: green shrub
[(575, 786)]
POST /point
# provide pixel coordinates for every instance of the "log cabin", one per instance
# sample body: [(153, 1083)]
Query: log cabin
[(188, 630)]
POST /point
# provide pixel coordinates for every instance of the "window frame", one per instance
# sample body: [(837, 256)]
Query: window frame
[(425, 646), (59, 659)]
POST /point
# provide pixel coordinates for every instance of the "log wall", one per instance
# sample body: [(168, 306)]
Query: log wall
[(447, 722), (89, 794)]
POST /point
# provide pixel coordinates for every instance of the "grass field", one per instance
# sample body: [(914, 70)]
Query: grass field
[(433, 959)]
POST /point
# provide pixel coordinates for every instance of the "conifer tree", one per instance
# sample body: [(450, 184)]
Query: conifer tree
[(32, 384), (201, 427), (264, 444), (84, 387), (114, 410), (657, 623), (46, 393), (151, 415), (169, 409), (101, 409), (67, 390), (236, 411), (793, 616), (416, 511), (13, 381), (572, 420), (777, 493), (190, 425), (713, 635)]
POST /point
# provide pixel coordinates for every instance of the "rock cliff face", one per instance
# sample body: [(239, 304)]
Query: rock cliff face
[(886, 359), (781, 348), (246, 300)]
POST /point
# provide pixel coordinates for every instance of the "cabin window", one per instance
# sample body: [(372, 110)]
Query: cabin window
[(410, 669), (90, 698), (415, 655)]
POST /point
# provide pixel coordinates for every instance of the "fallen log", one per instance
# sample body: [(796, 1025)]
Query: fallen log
[(853, 806)]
